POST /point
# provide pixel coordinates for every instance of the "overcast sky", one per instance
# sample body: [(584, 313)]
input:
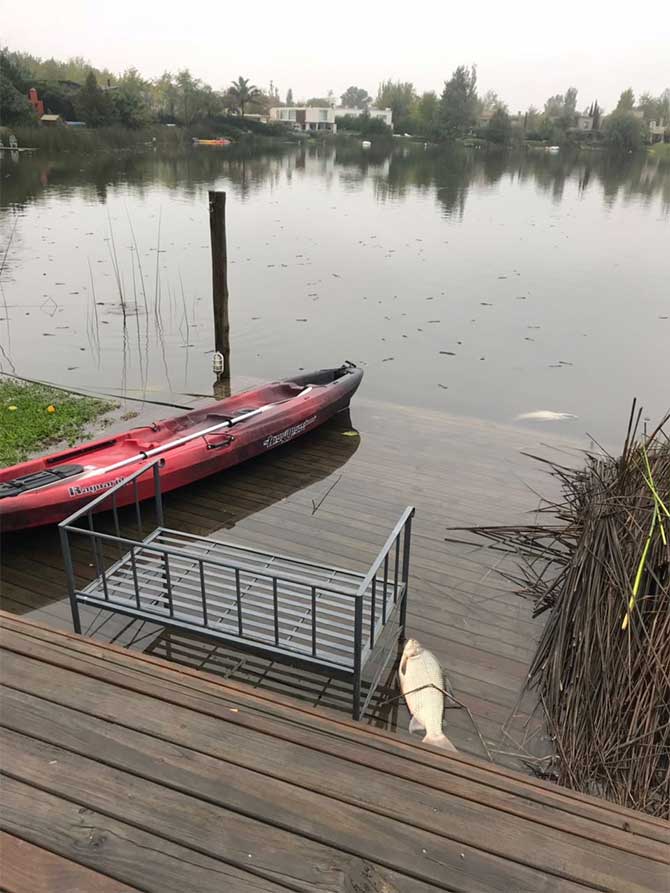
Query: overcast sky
[(524, 50)]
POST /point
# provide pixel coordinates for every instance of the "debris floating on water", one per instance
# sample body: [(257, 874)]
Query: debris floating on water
[(545, 415)]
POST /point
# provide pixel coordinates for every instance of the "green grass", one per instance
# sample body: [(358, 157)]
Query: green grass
[(31, 427), (116, 138), (660, 151)]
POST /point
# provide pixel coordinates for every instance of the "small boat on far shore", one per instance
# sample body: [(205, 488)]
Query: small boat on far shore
[(219, 141)]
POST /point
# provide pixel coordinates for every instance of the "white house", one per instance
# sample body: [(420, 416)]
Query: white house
[(386, 115), (306, 117), (657, 131), (584, 122)]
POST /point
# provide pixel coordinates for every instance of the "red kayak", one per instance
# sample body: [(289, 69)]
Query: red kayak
[(192, 446)]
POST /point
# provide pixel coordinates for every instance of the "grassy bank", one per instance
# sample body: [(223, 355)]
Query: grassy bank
[(661, 152), (70, 139), (117, 138), (35, 416)]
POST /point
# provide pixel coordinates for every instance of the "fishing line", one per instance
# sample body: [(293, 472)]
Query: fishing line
[(56, 387), (451, 697)]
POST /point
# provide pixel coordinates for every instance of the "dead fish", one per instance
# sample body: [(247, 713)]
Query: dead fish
[(546, 415), (421, 682)]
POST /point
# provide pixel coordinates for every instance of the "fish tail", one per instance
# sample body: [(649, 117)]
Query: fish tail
[(439, 740)]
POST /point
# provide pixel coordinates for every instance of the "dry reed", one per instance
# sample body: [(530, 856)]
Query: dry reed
[(601, 571)]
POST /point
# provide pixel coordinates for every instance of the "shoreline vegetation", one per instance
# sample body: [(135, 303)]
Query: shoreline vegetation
[(35, 416), (116, 137), (599, 567), (128, 110), (119, 139)]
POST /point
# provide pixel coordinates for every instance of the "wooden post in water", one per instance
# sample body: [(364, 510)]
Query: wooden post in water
[(217, 232)]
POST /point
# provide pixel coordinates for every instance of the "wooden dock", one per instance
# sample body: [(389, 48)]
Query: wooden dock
[(123, 772), (332, 496)]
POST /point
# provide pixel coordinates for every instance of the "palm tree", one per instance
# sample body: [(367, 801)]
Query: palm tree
[(243, 92)]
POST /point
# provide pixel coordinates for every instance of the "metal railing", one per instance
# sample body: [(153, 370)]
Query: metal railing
[(322, 618), (397, 547)]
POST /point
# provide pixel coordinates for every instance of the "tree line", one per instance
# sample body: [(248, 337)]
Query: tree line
[(460, 111), (76, 90)]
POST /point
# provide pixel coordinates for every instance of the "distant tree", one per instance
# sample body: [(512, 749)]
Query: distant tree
[(74, 69), (14, 105), (554, 106), (532, 118), (596, 114), (458, 104), (318, 102), (664, 106), (131, 98), (626, 101), (363, 124), (289, 97), (15, 69), (568, 117), (165, 96), (655, 108), (93, 105), (400, 97), (355, 98), (188, 98), (647, 105), (499, 128), (244, 93), (210, 102), (489, 102), (426, 115), (570, 101), (624, 132)]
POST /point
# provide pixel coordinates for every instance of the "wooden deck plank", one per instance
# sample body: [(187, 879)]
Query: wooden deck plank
[(147, 676), (166, 779), (205, 824), (25, 868), (331, 498), (103, 844), (239, 767)]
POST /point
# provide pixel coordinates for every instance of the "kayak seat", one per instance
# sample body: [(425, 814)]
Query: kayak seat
[(38, 479)]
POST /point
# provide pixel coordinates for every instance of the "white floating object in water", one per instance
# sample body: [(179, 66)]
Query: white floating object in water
[(366, 144), (545, 415)]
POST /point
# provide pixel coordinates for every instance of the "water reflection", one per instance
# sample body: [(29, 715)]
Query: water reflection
[(394, 170), (531, 263)]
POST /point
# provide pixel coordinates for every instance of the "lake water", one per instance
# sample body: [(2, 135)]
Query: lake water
[(486, 285)]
